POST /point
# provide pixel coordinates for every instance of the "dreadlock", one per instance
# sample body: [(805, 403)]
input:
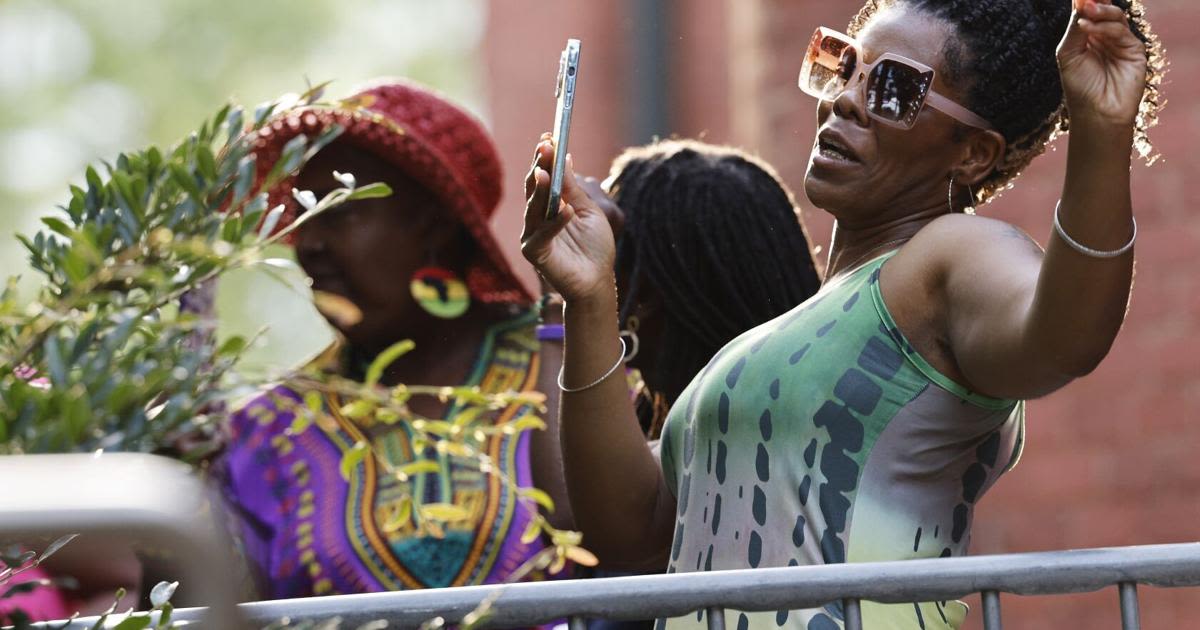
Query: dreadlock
[(712, 234), (1012, 43)]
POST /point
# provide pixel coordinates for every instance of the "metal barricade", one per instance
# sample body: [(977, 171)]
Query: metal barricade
[(644, 597)]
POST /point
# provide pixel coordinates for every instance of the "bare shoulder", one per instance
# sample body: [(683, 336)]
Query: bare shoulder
[(957, 241), (972, 232), (964, 253)]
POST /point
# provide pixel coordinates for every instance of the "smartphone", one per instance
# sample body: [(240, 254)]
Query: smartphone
[(564, 93)]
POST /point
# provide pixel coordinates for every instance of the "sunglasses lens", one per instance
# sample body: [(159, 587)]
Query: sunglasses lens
[(896, 91), (829, 64)]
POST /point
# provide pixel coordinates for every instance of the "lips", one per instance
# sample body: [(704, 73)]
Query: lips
[(832, 146), (327, 280)]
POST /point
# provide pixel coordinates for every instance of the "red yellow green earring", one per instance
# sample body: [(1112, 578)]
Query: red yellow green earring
[(440, 292)]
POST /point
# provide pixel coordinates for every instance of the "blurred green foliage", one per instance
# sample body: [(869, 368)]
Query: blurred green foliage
[(83, 80)]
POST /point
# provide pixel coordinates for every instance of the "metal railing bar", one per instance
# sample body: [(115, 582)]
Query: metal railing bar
[(792, 588), (991, 610), (853, 614), (1129, 606), (716, 618)]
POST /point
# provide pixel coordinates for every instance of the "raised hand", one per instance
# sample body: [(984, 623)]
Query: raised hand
[(574, 251), (1102, 64)]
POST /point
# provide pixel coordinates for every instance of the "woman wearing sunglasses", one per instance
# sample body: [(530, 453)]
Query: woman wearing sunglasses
[(866, 423)]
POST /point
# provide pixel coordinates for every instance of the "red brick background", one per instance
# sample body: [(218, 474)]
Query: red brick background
[(1110, 459)]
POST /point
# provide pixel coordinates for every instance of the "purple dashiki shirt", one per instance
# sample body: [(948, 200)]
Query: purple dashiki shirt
[(308, 531)]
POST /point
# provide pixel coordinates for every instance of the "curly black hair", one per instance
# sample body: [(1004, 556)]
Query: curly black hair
[(712, 235), (1013, 44)]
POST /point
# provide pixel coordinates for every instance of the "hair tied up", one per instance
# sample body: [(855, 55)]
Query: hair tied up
[(1053, 16)]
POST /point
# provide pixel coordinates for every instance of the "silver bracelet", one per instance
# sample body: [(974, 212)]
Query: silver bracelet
[(575, 390), (1087, 251)]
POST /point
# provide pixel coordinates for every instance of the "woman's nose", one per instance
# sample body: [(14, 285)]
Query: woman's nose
[(849, 104)]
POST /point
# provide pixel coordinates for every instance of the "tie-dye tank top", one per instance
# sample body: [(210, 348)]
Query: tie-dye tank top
[(822, 436)]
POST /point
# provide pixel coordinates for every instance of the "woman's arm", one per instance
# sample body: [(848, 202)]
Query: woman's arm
[(546, 446), (618, 497), (1022, 324)]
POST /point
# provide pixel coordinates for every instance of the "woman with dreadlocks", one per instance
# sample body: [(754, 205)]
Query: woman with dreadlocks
[(697, 219), (867, 423)]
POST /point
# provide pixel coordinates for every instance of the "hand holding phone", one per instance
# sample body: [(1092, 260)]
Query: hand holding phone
[(564, 93)]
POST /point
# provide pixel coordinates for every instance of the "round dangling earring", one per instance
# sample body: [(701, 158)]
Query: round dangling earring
[(631, 327), (440, 292)]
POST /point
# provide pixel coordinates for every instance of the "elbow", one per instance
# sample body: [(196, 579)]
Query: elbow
[(1082, 362)]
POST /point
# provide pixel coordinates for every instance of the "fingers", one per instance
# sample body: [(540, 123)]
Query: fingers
[(1098, 12), (1114, 31), (543, 157), (1113, 40), (535, 203), (540, 231), (573, 193), (1074, 41)]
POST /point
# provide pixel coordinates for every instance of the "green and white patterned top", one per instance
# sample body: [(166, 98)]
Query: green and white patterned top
[(822, 437)]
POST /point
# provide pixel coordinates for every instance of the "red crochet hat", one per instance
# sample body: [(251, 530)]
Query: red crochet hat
[(432, 141)]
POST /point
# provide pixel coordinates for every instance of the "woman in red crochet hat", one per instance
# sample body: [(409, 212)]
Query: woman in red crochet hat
[(420, 264)]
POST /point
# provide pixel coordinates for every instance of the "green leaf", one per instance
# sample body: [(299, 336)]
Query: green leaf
[(245, 179), (74, 266), (581, 556), (78, 415), (370, 191), (93, 179), (206, 163), (312, 400), (524, 423), (263, 112), (385, 359), (164, 616), (419, 467), (300, 422), (162, 592), (54, 362), (184, 179), (539, 496), (232, 346), (532, 531), (314, 93), (290, 159), (134, 622), (234, 124), (330, 134), (444, 512), (269, 223), (218, 119), (84, 341), (55, 546), (58, 226), (130, 201), (358, 409), (352, 457)]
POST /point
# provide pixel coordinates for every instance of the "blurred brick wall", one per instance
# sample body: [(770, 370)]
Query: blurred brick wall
[(1111, 459)]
